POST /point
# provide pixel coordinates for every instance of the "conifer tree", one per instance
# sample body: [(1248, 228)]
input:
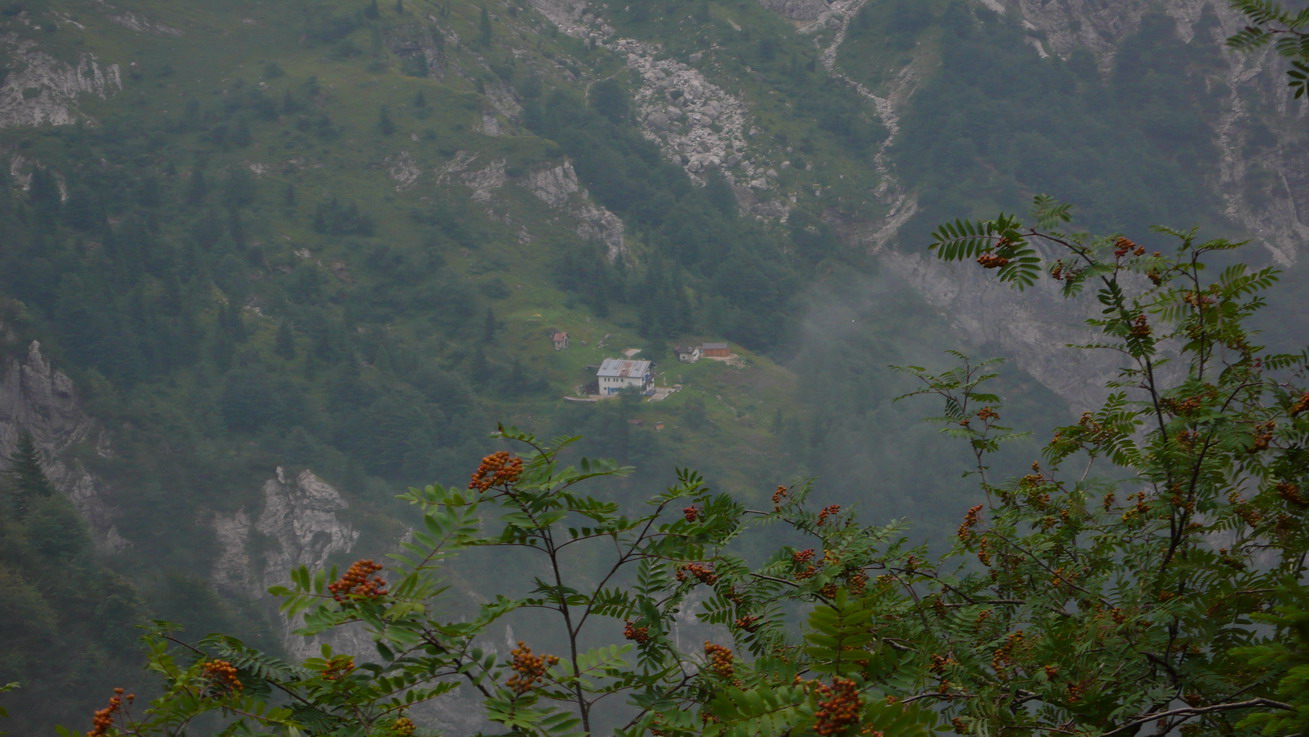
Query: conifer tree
[(25, 476)]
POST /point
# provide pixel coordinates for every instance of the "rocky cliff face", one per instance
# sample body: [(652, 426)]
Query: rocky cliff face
[(42, 90), (300, 524), (38, 399), (697, 123), (798, 10), (559, 188)]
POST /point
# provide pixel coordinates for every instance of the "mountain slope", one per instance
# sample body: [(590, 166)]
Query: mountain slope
[(269, 238)]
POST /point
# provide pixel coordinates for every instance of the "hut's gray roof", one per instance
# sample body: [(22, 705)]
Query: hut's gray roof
[(621, 368)]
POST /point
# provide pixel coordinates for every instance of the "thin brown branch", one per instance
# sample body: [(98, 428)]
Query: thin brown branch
[(1191, 711)]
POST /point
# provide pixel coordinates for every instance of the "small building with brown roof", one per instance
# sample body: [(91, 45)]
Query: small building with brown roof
[(716, 350)]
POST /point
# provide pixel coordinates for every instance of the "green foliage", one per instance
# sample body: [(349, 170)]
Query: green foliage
[(1071, 601), (1212, 534), (24, 480), (68, 620), (1272, 22), (1085, 612)]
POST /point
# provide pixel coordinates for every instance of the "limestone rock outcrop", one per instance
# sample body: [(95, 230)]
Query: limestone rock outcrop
[(41, 400), (558, 187), (300, 524), (798, 10), (42, 90)]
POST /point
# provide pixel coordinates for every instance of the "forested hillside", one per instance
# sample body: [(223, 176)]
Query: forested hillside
[(264, 264)]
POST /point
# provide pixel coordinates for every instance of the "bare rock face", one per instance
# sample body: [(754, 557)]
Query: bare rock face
[(800, 10), (403, 169), (501, 108), (299, 525), (41, 400), (38, 399), (558, 187), (42, 90), (141, 24), (698, 124), (485, 181), (574, 18)]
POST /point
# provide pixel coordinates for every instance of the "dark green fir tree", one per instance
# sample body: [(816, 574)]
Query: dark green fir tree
[(24, 476)]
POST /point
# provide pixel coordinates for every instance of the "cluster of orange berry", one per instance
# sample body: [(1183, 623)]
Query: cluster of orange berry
[(941, 662), (222, 677), (1285, 526), (839, 706), (1291, 493), (970, 520), (639, 635), (857, 582), (780, 495), (1139, 509), (720, 659), (986, 413), (1003, 655), (1093, 430), (1300, 405), (338, 668), (828, 511), (1249, 514), (992, 261), (802, 560), (704, 573), (499, 468), (529, 669), (356, 584), (403, 727), (1140, 327), (1064, 272), (691, 513), (1060, 577), (1187, 438), (103, 720), (1182, 407), (1123, 246), (1263, 435), (749, 623)]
